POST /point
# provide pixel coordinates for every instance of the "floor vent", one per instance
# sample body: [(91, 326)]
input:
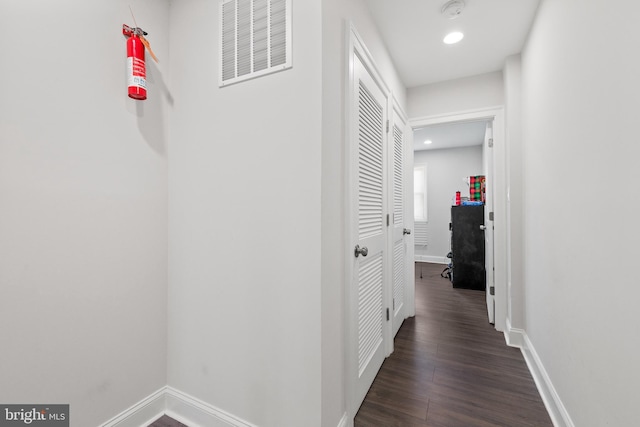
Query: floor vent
[(255, 39)]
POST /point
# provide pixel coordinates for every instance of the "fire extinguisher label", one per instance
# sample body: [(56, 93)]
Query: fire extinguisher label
[(136, 72)]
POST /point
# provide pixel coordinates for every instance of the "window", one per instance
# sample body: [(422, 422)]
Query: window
[(420, 193)]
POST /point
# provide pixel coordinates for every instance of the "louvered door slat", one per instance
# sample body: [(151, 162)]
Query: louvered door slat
[(368, 128), (369, 163), (369, 183), (370, 309), (398, 187), (398, 274), (369, 173), (372, 103), (368, 155), (368, 137)]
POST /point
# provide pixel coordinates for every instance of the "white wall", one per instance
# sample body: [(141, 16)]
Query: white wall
[(245, 224), (336, 15), (482, 91), (446, 171), (581, 97), (83, 190), (84, 219)]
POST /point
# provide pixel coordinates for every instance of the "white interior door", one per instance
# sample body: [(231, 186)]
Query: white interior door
[(398, 246), (488, 222), (409, 239), (369, 300)]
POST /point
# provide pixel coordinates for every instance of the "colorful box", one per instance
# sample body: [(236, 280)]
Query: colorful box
[(477, 188)]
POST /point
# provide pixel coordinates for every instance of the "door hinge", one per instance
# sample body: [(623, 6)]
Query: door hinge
[(394, 304), (387, 220), (490, 216), (492, 290), (387, 314), (387, 126), (490, 143)]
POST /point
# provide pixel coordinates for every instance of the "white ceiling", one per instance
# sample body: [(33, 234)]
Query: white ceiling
[(449, 135), (413, 31)]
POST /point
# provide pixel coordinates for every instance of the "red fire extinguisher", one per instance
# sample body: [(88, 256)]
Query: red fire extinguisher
[(136, 67)]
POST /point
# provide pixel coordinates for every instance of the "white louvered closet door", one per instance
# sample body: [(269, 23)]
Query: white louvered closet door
[(370, 275), (398, 247)]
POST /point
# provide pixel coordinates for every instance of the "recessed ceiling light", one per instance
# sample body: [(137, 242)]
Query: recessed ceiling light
[(454, 37), (428, 141)]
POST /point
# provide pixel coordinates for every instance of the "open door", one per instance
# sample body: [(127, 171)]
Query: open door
[(487, 155)]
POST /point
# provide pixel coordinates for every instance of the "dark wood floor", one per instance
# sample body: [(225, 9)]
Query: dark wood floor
[(450, 368), (166, 421)]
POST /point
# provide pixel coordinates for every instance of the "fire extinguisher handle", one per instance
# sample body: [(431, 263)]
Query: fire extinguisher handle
[(133, 31)]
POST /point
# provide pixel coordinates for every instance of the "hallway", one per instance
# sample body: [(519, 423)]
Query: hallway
[(451, 368)]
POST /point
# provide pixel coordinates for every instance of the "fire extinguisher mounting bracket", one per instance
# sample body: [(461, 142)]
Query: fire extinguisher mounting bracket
[(131, 31)]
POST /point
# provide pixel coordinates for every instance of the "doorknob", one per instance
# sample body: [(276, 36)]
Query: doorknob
[(406, 231), (361, 251), (483, 227)]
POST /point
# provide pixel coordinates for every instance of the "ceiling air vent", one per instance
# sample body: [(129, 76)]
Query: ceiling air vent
[(255, 39)]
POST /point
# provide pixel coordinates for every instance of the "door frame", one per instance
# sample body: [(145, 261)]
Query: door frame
[(489, 171), (495, 114)]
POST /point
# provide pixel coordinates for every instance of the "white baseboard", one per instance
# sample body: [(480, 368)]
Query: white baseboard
[(196, 413), (142, 413), (432, 259), (558, 413), (344, 421), (185, 409), (513, 336), (179, 406)]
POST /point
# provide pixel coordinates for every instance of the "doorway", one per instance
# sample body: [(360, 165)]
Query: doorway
[(445, 156), (494, 162)]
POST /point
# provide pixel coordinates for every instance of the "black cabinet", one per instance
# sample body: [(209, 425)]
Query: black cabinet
[(467, 247)]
